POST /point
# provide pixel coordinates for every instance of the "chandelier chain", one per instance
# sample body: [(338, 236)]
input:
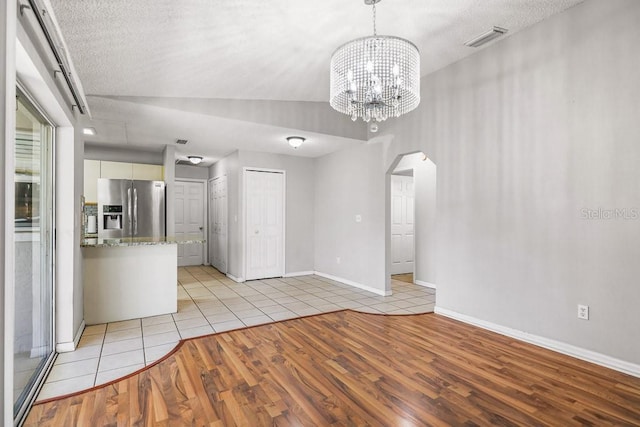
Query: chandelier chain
[(375, 32)]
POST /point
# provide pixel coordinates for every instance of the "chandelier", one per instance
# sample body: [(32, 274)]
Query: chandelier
[(375, 77)]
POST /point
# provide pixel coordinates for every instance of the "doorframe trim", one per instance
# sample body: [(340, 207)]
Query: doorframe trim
[(209, 184), (205, 232), (246, 169)]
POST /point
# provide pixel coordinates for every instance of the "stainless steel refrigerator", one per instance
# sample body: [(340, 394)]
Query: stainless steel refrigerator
[(131, 208)]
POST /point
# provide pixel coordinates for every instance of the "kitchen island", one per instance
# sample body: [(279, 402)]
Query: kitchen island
[(130, 277)]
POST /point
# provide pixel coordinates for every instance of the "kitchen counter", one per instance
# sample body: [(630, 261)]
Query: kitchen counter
[(129, 278), (108, 242)]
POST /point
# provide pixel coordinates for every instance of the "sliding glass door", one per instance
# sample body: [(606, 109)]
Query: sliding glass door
[(33, 232)]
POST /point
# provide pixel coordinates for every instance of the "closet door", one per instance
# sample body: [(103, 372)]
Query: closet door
[(264, 224)]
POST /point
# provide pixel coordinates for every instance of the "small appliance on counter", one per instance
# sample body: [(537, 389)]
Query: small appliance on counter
[(131, 208), (92, 224)]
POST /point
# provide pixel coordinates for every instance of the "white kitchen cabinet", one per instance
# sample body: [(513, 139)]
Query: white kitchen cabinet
[(94, 169), (148, 172), (116, 170), (91, 175)]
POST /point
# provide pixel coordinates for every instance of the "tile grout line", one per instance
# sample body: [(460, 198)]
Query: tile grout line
[(104, 337), (144, 350), (197, 305)]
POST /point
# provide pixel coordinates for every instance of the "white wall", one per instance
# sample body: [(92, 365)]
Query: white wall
[(424, 175), (526, 134), (69, 305), (192, 172), (348, 183), (122, 154), (299, 233), (300, 189)]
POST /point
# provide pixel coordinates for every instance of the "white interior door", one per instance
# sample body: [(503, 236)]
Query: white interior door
[(264, 224), (189, 214), (402, 224), (218, 223)]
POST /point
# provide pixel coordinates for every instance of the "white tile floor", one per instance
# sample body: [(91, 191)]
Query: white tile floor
[(209, 302)]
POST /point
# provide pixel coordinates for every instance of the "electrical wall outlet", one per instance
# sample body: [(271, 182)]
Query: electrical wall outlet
[(583, 312)]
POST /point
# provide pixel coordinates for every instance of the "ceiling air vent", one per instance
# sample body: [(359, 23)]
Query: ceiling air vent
[(183, 162), (486, 37), (182, 141)]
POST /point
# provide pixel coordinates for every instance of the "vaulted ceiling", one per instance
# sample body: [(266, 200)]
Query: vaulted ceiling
[(158, 70)]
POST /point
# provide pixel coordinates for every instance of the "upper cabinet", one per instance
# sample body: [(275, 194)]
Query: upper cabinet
[(148, 172), (94, 169), (116, 170)]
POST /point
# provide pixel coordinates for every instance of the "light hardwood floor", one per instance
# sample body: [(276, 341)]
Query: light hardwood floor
[(350, 368)]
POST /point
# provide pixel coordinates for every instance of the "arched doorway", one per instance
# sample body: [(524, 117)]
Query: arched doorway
[(410, 236)]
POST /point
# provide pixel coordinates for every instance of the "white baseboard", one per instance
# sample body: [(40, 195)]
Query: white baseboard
[(425, 284), (299, 273), (354, 284), (558, 346), (64, 347), (235, 279)]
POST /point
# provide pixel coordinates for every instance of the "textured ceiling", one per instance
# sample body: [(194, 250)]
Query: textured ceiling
[(260, 50), (249, 49)]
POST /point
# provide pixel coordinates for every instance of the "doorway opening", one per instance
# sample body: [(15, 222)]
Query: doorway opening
[(410, 229)]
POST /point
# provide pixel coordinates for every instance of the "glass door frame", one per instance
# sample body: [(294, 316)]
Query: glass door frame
[(38, 380)]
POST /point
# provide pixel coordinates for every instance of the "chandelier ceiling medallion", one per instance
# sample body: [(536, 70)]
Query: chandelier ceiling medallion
[(375, 77)]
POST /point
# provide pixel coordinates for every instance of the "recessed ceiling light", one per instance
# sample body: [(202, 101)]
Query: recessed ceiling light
[(484, 38), (195, 159), (89, 131), (295, 141)]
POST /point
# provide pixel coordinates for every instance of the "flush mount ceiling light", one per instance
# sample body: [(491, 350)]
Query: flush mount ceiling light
[(375, 77), (295, 141), (88, 131), (485, 38), (195, 159)]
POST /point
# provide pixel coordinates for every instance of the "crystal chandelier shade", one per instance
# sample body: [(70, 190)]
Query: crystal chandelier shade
[(375, 77)]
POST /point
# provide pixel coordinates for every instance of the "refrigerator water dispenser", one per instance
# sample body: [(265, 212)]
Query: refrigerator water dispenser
[(112, 217)]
